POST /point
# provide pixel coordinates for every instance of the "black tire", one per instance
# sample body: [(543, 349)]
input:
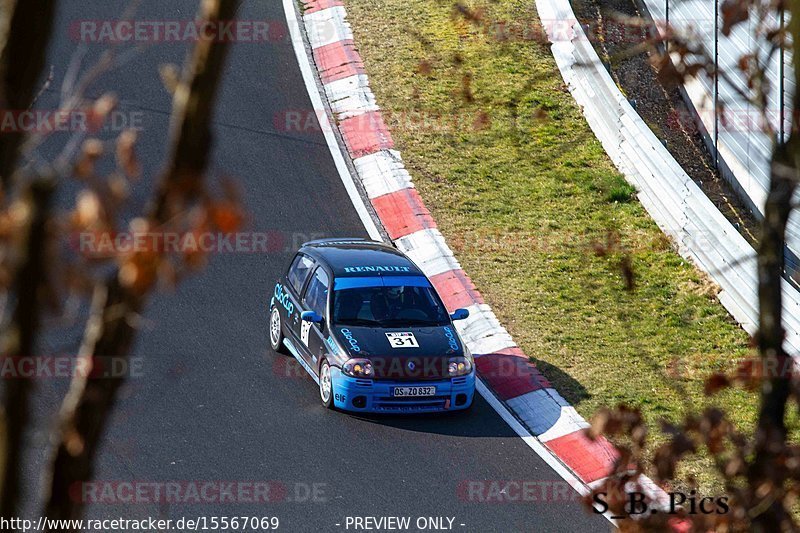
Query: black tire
[(325, 384), (276, 331)]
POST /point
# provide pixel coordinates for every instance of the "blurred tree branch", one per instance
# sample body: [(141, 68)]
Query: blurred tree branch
[(21, 62), (20, 336), (26, 28), (767, 475), (118, 302)]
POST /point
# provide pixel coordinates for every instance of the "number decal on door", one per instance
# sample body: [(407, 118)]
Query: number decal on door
[(404, 339), (305, 327)]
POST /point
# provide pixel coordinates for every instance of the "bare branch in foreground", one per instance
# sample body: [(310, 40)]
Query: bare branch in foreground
[(28, 36), (112, 326)]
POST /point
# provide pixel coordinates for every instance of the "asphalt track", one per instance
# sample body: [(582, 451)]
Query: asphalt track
[(212, 401)]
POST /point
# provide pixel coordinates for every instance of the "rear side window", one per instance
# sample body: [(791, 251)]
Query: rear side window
[(317, 293), (299, 271)]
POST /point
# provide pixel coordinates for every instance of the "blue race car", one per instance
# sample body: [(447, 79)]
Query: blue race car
[(369, 328)]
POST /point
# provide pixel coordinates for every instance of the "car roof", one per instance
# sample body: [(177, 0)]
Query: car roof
[(360, 257)]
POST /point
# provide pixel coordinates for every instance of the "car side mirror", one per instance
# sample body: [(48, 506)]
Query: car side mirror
[(311, 316), (460, 314)]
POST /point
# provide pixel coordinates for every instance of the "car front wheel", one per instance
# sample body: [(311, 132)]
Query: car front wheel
[(325, 384)]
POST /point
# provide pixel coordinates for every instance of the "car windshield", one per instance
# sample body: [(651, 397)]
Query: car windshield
[(388, 307)]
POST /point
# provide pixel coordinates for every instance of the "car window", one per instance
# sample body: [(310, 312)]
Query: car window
[(299, 271), (400, 306), (317, 292)]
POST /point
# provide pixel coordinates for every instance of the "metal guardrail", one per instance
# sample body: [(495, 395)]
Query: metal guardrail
[(730, 124), (702, 234)]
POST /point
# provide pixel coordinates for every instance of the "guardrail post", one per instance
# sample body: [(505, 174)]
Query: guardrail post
[(781, 102), (716, 84)]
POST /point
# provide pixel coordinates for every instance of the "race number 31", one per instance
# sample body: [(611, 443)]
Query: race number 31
[(404, 339)]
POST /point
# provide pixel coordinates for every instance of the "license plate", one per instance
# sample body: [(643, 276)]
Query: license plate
[(413, 391)]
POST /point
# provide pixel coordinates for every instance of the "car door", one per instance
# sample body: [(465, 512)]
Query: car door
[(315, 298), (294, 283)]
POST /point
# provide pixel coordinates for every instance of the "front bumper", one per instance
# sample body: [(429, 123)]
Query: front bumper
[(375, 396)]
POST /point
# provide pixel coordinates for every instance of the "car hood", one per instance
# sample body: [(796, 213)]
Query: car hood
[(403, 353)]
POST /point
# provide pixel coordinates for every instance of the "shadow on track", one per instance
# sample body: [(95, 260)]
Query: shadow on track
[(477, 421)]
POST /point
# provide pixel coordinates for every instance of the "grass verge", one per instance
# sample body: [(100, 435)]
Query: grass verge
[(538, 215)]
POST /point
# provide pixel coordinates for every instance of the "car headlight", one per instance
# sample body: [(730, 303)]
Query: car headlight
[(459, 366), (358, 368)]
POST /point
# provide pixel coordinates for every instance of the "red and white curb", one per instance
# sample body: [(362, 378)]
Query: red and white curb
[(502, 366)]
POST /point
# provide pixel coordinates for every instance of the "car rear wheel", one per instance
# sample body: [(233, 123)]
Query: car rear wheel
[(325, 384), (276, 331)]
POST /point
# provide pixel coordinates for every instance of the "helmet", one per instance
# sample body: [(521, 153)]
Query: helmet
[(393, 293)]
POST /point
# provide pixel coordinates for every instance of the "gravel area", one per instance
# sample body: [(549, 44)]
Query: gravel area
[(660, 105)]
